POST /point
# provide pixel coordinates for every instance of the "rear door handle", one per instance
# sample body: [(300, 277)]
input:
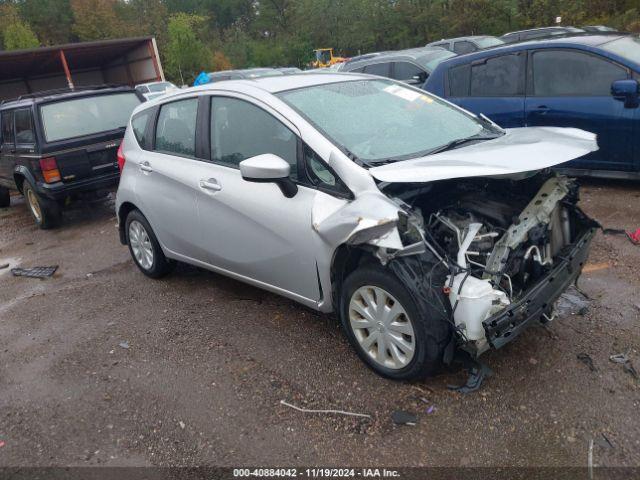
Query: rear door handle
[(210, 184), (145, 167), (541, 109)]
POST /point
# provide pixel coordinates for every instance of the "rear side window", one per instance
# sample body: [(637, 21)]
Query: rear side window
[(498, 76), (407, 71), (380, 69), (24, 127), (563, 72), (139, 126), (241, 130), (464, 47), (7, 127), (176, 127)]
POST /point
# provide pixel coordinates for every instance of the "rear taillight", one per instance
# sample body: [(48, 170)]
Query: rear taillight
[(121, 158), (50, 170)]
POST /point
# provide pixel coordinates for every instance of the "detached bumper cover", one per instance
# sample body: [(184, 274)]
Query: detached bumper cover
[(506, 325)]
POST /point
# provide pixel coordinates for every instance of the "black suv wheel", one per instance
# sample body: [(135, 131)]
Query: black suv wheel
[(45, 212)]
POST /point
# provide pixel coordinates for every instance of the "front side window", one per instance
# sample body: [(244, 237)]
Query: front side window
[(139, 127), (87, 116), (378, 120), (7, 128), (564, 72), (380, 69), (24, 127), (176, 127), (459, 80), (464, 47), (241, 130), (408, 71), (498, 77)]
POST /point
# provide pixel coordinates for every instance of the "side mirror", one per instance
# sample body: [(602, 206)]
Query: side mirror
[(269, 168), (627, 91), (417, 79)]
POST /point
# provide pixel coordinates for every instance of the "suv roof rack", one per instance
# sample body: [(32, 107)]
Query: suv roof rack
[(54, 91)]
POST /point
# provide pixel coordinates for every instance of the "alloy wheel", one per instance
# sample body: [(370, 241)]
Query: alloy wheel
[(141, 245), (34, 205)]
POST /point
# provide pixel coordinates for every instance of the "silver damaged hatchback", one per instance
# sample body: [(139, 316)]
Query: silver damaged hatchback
[(425, 229)]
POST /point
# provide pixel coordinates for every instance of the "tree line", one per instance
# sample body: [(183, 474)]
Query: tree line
[(196, 35)]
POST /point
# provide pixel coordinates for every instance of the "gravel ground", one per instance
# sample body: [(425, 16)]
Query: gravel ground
[(100, 365)]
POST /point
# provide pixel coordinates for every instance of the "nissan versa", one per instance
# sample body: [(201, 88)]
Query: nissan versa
[(423, 227)]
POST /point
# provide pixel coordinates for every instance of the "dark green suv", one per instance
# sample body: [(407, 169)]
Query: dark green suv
[(61, 144)]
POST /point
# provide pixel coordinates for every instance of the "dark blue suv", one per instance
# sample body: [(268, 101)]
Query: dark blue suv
[(585, 81)]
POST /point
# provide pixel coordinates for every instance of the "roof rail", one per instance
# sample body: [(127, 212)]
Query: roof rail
[(54, 91)]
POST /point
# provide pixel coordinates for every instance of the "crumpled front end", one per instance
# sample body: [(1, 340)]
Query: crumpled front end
[(489, 255)]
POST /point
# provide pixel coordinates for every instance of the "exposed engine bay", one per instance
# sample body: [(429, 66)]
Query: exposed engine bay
[(495, 240)]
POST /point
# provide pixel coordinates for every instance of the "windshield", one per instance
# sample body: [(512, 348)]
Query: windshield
[(486, 42), (323, 56), (379, 120), (87, 116), (160, 87), (433, 59), (626, 47)]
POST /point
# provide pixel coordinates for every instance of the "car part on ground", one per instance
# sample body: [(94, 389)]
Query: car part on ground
[(424, 243), (35, 272)]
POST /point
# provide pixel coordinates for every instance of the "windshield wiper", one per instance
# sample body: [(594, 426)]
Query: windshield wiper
[(462, 141)]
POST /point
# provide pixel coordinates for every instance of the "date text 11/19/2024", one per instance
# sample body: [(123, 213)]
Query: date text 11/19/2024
[(315, 473)]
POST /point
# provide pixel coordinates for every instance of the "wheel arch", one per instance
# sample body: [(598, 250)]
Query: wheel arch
[(123, 211), (346, 259), (20, 175)]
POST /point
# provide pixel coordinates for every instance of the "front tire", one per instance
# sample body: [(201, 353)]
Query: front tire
[(145, 248), (45, 212), (386, 327)]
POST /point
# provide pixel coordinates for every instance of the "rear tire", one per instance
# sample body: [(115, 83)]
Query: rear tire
[(144, 246), (5, 198), (400, 333), (45, 212)]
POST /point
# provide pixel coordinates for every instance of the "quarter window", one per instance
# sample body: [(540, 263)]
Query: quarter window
[(241, 130), (24, 127), (498, 76), (7, 127), (561, 72), (139, 126), (176, 129)]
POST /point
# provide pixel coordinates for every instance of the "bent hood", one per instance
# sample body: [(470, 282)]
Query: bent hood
[(518, 150)]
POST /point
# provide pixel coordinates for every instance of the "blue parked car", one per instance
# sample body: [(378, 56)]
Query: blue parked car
[(587, 81)]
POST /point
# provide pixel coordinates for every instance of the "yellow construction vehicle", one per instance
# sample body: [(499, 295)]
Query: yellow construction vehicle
[(324, 58)]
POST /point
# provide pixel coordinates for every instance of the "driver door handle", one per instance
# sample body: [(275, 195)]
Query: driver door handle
[(210, 184), (145, 167)]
